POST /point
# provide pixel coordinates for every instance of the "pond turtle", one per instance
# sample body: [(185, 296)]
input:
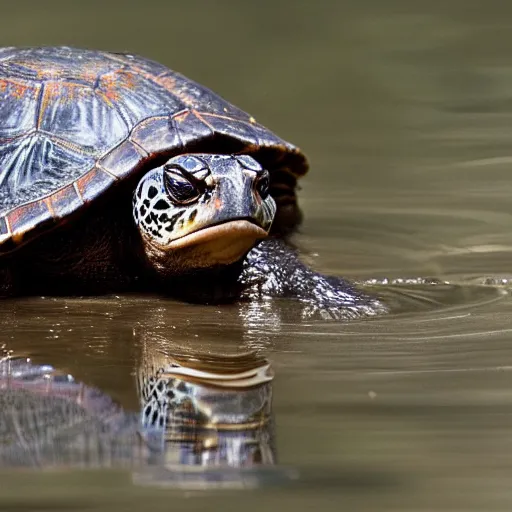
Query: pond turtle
[(117, 173)]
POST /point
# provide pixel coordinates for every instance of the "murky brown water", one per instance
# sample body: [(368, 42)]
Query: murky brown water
[(405, 110)]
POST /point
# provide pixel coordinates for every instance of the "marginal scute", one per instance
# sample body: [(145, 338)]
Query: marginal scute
[(230, 127), (27, 217), (65, 201), (122, 159), (156, 135), (191, 128), (92, 184), (4, 229)]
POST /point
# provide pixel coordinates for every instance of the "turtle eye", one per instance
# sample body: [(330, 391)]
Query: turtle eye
[(263, 185), (179, 186)]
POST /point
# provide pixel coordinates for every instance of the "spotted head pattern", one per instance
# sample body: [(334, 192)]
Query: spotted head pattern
[(204, 201)]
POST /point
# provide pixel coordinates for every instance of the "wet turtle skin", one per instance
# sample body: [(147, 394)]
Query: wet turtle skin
[(119, 174)]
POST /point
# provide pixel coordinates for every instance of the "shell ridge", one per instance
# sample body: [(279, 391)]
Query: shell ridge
[(200, 117), (116, 108), (39, 102), (174, 126), (14, 178), (65, 143)]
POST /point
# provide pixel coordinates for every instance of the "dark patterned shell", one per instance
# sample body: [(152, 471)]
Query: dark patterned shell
[(73, 122)]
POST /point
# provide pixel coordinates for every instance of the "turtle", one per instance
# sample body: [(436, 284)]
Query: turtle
[(119, 174)]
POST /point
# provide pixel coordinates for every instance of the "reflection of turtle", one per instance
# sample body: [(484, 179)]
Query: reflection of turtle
[(192, 419), (153, 181)]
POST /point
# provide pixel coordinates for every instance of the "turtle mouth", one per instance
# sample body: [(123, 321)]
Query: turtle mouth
[(222, 243)]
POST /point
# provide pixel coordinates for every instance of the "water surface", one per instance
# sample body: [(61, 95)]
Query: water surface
[(405, 111)]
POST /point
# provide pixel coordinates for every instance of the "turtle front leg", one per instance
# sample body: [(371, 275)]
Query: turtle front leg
[(273, 269)]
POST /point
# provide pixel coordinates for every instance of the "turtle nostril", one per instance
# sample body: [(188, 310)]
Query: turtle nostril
[(263, 186)]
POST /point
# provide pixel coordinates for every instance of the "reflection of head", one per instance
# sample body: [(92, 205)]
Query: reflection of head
[(214, 413)]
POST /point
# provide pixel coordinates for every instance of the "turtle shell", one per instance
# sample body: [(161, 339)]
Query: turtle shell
[(74, 122)]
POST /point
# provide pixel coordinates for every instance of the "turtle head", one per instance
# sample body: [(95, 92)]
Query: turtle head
[(202, 210)]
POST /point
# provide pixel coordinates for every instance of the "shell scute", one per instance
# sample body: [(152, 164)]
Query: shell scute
[(197, 97), (50, 63), (5, 232), (7, 52), (137, 97), (18, 108), (231, 127), (122, 159), (156, 134), (92, 184), (80, 115), (142, 66), (28, 217), (190, 128), (65, 201), (34, 167)]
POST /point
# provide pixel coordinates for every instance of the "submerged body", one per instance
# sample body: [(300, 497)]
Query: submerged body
[(119, 174)]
